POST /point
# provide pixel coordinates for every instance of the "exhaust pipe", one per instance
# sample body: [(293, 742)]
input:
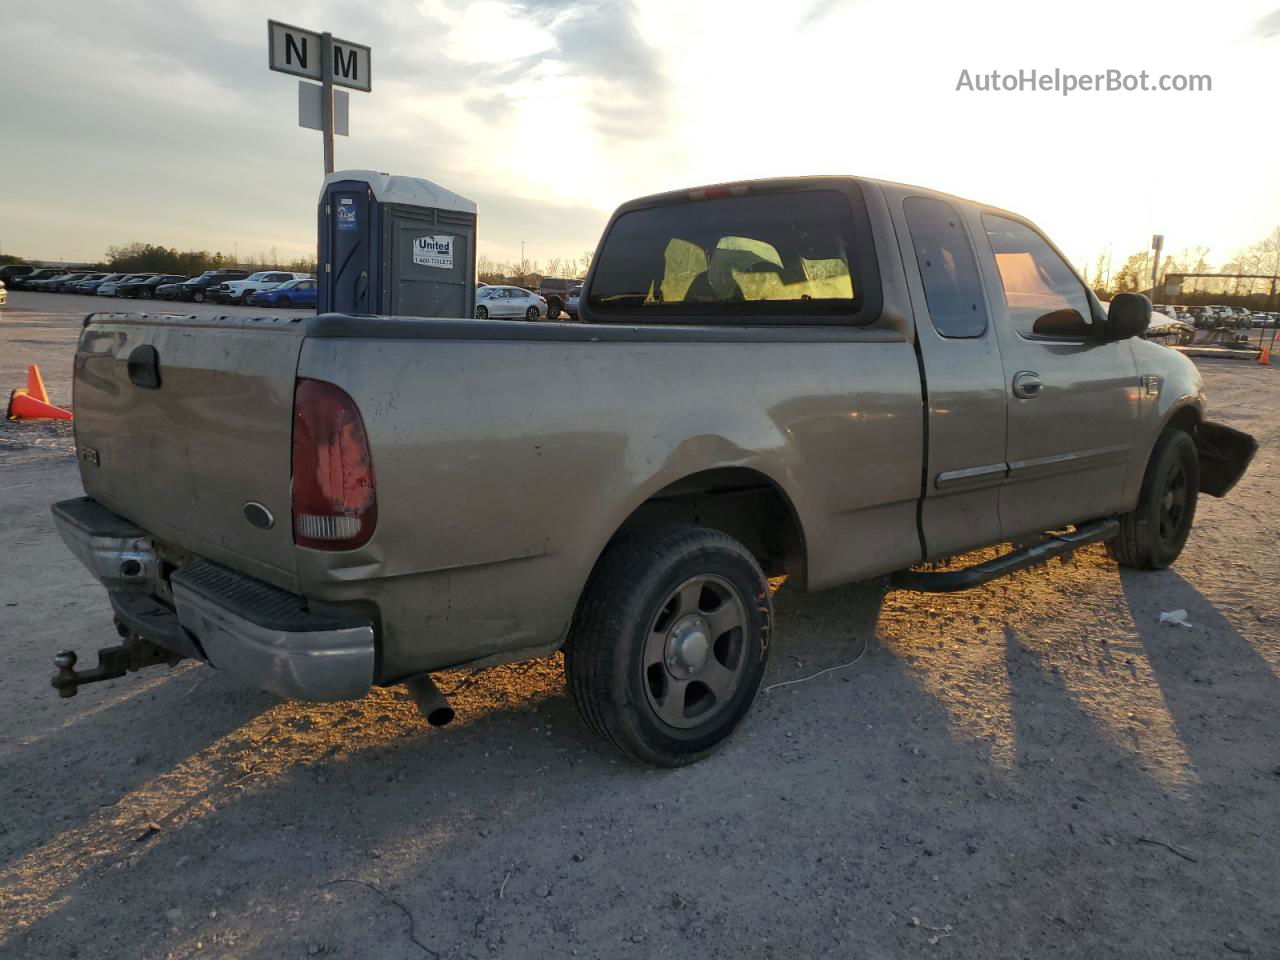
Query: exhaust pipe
[(430, 700)]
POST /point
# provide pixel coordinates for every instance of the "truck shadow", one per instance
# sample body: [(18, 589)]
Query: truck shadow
[(969, 743)]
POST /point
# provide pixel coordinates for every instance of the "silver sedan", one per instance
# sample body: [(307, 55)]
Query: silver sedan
[(498, 301)]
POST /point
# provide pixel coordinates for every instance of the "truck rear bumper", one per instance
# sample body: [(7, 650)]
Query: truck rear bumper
[(260, 634)]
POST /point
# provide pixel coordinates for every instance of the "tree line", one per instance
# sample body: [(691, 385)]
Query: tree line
[(1134, 274), (529, 273), (151, 258)]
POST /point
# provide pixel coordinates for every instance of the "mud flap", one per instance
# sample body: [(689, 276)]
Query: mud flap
[(1225, 454)]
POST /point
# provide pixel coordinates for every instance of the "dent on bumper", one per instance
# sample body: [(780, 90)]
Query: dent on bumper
[(258, 633)]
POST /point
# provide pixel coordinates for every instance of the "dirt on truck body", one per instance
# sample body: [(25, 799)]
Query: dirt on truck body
[(830, 378)]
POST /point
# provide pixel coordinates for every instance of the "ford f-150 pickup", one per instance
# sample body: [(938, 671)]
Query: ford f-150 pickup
[(828, 378)]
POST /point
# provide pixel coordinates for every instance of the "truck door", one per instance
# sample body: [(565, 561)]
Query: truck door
[(963, 379), (1072, 399)]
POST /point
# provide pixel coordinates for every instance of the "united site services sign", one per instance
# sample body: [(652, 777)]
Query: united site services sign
[(297, 51), (434, 252)]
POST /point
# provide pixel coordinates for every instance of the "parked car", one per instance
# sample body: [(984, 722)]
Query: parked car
[(145, 289), (571, 303), (11, 271), (54, 284), (26, 281), (555, 291), (495, 301), (1165, 325), (91, 286), (73, 286), (108, 287), (291, 293), (766, 414), (197, 287), (239, 291)]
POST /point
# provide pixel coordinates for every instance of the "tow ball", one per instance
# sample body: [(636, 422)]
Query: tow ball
[(133, 654)]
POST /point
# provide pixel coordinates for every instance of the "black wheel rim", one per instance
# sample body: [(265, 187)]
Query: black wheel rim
[(481, 313), (531, 313), (1173, 505), (695, 652)]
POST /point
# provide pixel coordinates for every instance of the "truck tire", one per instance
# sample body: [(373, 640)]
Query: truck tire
[(669, 643), (1155, 531), (553, 308)]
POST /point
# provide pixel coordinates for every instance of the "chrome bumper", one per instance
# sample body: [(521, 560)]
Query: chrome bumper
[(258, 633)]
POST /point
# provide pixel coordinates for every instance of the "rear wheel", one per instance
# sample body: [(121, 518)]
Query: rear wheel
[(283, 302), (144, 293), (532, 314), (1153, 534), (482, 313), (669, 643), (198, 296)]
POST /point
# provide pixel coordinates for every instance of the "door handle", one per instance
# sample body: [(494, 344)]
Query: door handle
[(1026, 384)]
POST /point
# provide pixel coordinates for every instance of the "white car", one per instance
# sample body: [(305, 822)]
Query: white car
[(239, 291), (496, 301), (1165, 323)]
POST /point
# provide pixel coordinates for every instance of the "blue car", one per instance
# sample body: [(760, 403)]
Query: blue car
[(292, 293)]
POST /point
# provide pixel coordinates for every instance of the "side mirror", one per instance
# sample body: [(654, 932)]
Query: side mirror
[(1064, 324), (1128, 316)]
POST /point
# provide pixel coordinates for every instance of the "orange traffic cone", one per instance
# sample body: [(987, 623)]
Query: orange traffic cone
[(32, 403), (35, 384), (1264, 358)]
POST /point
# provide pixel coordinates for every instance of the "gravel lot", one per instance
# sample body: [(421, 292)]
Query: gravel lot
[(1036, 768)]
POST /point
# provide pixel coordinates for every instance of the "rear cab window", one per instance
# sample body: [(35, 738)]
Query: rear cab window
[(948, 268), (781, 257)]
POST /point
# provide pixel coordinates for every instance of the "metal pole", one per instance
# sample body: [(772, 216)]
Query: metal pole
[(326, 98), (1155, 272)]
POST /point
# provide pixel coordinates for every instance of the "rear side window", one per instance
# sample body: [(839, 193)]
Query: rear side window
[(1046, 299), (750, 257), (948, 268)]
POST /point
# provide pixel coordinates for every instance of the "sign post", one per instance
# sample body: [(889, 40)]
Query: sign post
[(1157, 244), (319, 56), (326, 98)]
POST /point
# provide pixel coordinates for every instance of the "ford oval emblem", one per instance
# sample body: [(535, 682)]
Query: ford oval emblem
[(258, 515)]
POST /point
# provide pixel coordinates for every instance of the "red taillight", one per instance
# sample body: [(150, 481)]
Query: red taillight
[(334, 506)]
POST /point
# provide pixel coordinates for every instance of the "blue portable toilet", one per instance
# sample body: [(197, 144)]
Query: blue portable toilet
[(397, 246)]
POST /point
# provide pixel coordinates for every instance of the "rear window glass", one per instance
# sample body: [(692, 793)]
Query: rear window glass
[(948, 268), (757, 255)]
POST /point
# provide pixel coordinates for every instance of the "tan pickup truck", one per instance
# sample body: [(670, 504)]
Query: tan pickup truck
[(829, 378)]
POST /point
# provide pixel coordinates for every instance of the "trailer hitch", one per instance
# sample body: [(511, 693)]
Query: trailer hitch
[(133, 654)]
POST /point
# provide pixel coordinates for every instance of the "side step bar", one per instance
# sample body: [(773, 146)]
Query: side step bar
[(1054, 545)]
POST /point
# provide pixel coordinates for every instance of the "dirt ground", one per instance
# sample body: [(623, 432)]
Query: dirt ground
[(1037, 768)]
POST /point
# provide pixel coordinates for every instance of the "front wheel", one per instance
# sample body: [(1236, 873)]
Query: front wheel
[(482, 313), (1153, 534), (145, 294), (669, 643), (283, 302), (553, 309), (198, 296)]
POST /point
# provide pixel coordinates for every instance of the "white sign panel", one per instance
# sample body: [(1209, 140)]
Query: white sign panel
[(311, 103), (297, 51), (434, 252)]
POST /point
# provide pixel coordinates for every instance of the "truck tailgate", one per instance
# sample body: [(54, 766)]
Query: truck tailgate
[(182, 421)]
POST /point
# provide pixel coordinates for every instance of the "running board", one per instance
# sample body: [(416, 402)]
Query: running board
[(1054, 545)]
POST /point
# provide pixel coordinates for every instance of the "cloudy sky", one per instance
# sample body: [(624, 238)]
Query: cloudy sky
[(159, 121)]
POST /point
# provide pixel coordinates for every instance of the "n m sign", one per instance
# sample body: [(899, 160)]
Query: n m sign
[(297, 51)]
